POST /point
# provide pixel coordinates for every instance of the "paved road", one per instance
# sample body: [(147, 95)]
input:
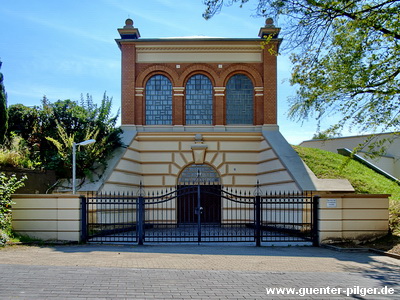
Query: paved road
[(193, 272)]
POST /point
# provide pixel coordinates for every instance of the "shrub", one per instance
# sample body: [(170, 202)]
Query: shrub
[(394, 216), (15, 153), (8, 185), (3, 238)]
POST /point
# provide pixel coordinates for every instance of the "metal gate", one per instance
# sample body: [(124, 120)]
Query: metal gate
[(200, 213)]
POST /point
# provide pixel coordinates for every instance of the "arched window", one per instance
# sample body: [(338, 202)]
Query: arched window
[(239, 100), (158, 101), (194, 174), (199, 96)]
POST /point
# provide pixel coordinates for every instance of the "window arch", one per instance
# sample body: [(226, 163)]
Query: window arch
[(194, 174), (239, 100), (158, 101), (199, 100)]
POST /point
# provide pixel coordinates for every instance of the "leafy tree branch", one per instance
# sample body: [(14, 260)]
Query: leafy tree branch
[(345, 56)]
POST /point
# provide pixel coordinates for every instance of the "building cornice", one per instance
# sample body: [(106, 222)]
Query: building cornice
[(202, 42)]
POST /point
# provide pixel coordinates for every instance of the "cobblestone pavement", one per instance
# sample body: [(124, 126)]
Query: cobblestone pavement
[(193, 272)]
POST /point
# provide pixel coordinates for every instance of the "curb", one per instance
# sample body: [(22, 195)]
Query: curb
[(376, 251), (393, 255)]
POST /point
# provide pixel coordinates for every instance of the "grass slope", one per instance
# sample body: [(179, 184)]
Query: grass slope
[(326, 164)]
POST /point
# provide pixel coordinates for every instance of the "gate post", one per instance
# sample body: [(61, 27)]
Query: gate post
[(83, 219), (199, 211), (315, 228), (258, 221), (140, 219)]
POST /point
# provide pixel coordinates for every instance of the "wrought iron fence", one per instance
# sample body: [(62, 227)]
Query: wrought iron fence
[(200, 213)]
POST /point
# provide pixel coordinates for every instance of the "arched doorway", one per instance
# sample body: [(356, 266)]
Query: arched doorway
[(201, 185)]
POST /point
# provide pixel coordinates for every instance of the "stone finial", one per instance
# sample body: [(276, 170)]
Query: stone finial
[(128, 23), (198, 138), (269, 22), (269, 29), (129, 32)]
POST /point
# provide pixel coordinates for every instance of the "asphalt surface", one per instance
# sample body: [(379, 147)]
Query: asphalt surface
[(194, 272)]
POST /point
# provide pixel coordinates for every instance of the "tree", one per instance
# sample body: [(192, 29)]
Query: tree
[(323, 135), (51, 129), (346, 59), (3, 109), (71, 122)]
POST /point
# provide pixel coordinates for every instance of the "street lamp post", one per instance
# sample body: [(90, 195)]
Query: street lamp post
[(84, 143)]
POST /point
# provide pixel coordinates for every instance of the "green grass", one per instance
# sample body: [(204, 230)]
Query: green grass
[(326, 164)]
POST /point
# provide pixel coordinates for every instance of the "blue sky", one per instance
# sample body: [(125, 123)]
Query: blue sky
[(66, 48)]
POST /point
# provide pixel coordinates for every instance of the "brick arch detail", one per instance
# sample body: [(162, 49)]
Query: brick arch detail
[(168, 72), (252, 73), (198, 69)]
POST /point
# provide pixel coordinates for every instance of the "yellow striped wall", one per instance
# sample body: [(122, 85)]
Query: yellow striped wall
[(57, 217), (47, 217), (355, 217), (157, 159)]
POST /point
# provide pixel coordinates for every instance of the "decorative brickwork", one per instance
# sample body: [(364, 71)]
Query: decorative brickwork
[(128, 83), (136, 71)]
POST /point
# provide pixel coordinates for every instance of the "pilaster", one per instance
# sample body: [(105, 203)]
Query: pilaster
[(128, 73), (178, 107), (219, 106)]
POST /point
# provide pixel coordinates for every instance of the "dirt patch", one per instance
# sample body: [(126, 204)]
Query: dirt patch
[(389, 243)]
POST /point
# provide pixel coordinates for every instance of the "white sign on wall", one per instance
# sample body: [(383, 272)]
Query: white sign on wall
[(331, 203)]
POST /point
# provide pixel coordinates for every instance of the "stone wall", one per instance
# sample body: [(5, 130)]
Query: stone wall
[(37, 182)]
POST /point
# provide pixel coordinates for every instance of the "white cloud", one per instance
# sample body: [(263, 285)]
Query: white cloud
[(153, 14), (56, 25)]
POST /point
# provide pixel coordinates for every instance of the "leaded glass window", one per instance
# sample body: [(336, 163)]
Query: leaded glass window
[(239, 100), (199, 96), (203, 174), (158, 101)]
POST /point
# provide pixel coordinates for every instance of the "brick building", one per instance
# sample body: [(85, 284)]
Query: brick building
[(201, 107), (204, 110)]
